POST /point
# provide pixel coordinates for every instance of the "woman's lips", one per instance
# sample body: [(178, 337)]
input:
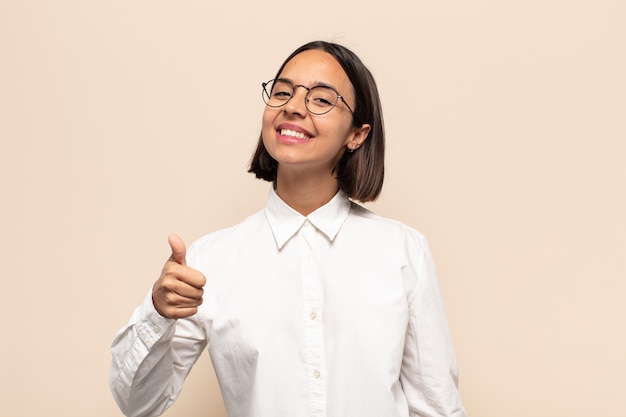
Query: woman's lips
[(292, 134)]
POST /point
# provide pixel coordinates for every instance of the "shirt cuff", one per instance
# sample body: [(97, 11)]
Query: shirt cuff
[(152, 326)]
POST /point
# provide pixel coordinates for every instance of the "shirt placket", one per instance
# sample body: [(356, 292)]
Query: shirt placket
[(313, 323)]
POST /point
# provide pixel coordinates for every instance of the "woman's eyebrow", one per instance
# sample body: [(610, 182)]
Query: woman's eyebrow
[(315, 84), (323, 84)]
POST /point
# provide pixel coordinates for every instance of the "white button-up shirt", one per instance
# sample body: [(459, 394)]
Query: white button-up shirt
[(336, 314)]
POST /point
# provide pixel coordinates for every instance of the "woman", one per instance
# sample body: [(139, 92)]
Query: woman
[(314, 306)]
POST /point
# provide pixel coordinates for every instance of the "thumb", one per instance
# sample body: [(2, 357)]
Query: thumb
[(179, 250)]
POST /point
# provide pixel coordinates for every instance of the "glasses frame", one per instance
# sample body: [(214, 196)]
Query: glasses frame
[(267, 95)]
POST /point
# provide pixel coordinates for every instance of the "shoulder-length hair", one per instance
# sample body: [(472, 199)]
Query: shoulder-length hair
[(360, 173)]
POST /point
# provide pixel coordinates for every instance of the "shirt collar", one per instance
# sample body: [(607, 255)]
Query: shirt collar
[(285, 221)]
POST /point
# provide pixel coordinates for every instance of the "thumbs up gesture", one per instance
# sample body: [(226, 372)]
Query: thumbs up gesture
[(178, 291)]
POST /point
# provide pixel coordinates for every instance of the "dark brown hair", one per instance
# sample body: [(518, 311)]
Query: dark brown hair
[(360, 173)]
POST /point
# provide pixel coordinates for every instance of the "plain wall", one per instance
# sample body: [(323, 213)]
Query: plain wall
[(123, 121)]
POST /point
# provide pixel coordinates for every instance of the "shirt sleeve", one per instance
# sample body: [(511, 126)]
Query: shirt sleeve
[(152, 356), (429, 374)]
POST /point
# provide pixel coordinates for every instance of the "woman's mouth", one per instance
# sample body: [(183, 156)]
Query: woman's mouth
[(294, 134)]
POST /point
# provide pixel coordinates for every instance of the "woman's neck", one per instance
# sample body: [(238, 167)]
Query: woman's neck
[(304, 192)]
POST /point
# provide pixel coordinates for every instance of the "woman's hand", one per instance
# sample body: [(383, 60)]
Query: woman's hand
[(178, 291)]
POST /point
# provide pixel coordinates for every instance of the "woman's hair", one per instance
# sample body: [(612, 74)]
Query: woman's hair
[(359, 173)]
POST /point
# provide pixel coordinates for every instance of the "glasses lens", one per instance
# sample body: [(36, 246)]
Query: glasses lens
[(321, 99), (276, 92)]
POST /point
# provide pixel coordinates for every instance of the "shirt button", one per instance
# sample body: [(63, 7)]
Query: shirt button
[(156, 328), (313, 315), (316, 374)]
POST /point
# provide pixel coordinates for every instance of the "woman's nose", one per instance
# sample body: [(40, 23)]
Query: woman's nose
[(297, 104)]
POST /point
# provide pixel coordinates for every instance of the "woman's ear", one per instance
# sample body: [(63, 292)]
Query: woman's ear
[(358, 137)]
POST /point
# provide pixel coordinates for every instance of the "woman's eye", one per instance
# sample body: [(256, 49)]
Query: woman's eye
[(281, 94), (323, 100)]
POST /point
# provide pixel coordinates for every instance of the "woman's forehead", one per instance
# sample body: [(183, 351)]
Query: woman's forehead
[(316, 67)]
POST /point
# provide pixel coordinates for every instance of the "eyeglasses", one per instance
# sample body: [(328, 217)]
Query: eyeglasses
[(318, 100)]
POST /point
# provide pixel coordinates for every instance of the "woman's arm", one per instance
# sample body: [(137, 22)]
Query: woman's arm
[(429, 371), (152, 356)]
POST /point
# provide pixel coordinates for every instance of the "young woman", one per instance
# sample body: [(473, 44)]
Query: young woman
[(313, 306)]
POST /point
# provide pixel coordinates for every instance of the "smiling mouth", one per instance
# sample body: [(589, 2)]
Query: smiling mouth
[(294, 134)]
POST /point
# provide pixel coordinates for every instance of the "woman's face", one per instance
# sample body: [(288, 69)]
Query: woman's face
[(295, 137)]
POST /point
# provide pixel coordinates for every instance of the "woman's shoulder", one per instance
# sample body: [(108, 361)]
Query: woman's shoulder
[(370, 220), (242, 229)]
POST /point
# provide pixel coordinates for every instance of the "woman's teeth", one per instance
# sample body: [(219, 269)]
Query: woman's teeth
[(293, 133)]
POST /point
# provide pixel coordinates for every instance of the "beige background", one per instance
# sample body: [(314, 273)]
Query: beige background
[(123, 121)]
